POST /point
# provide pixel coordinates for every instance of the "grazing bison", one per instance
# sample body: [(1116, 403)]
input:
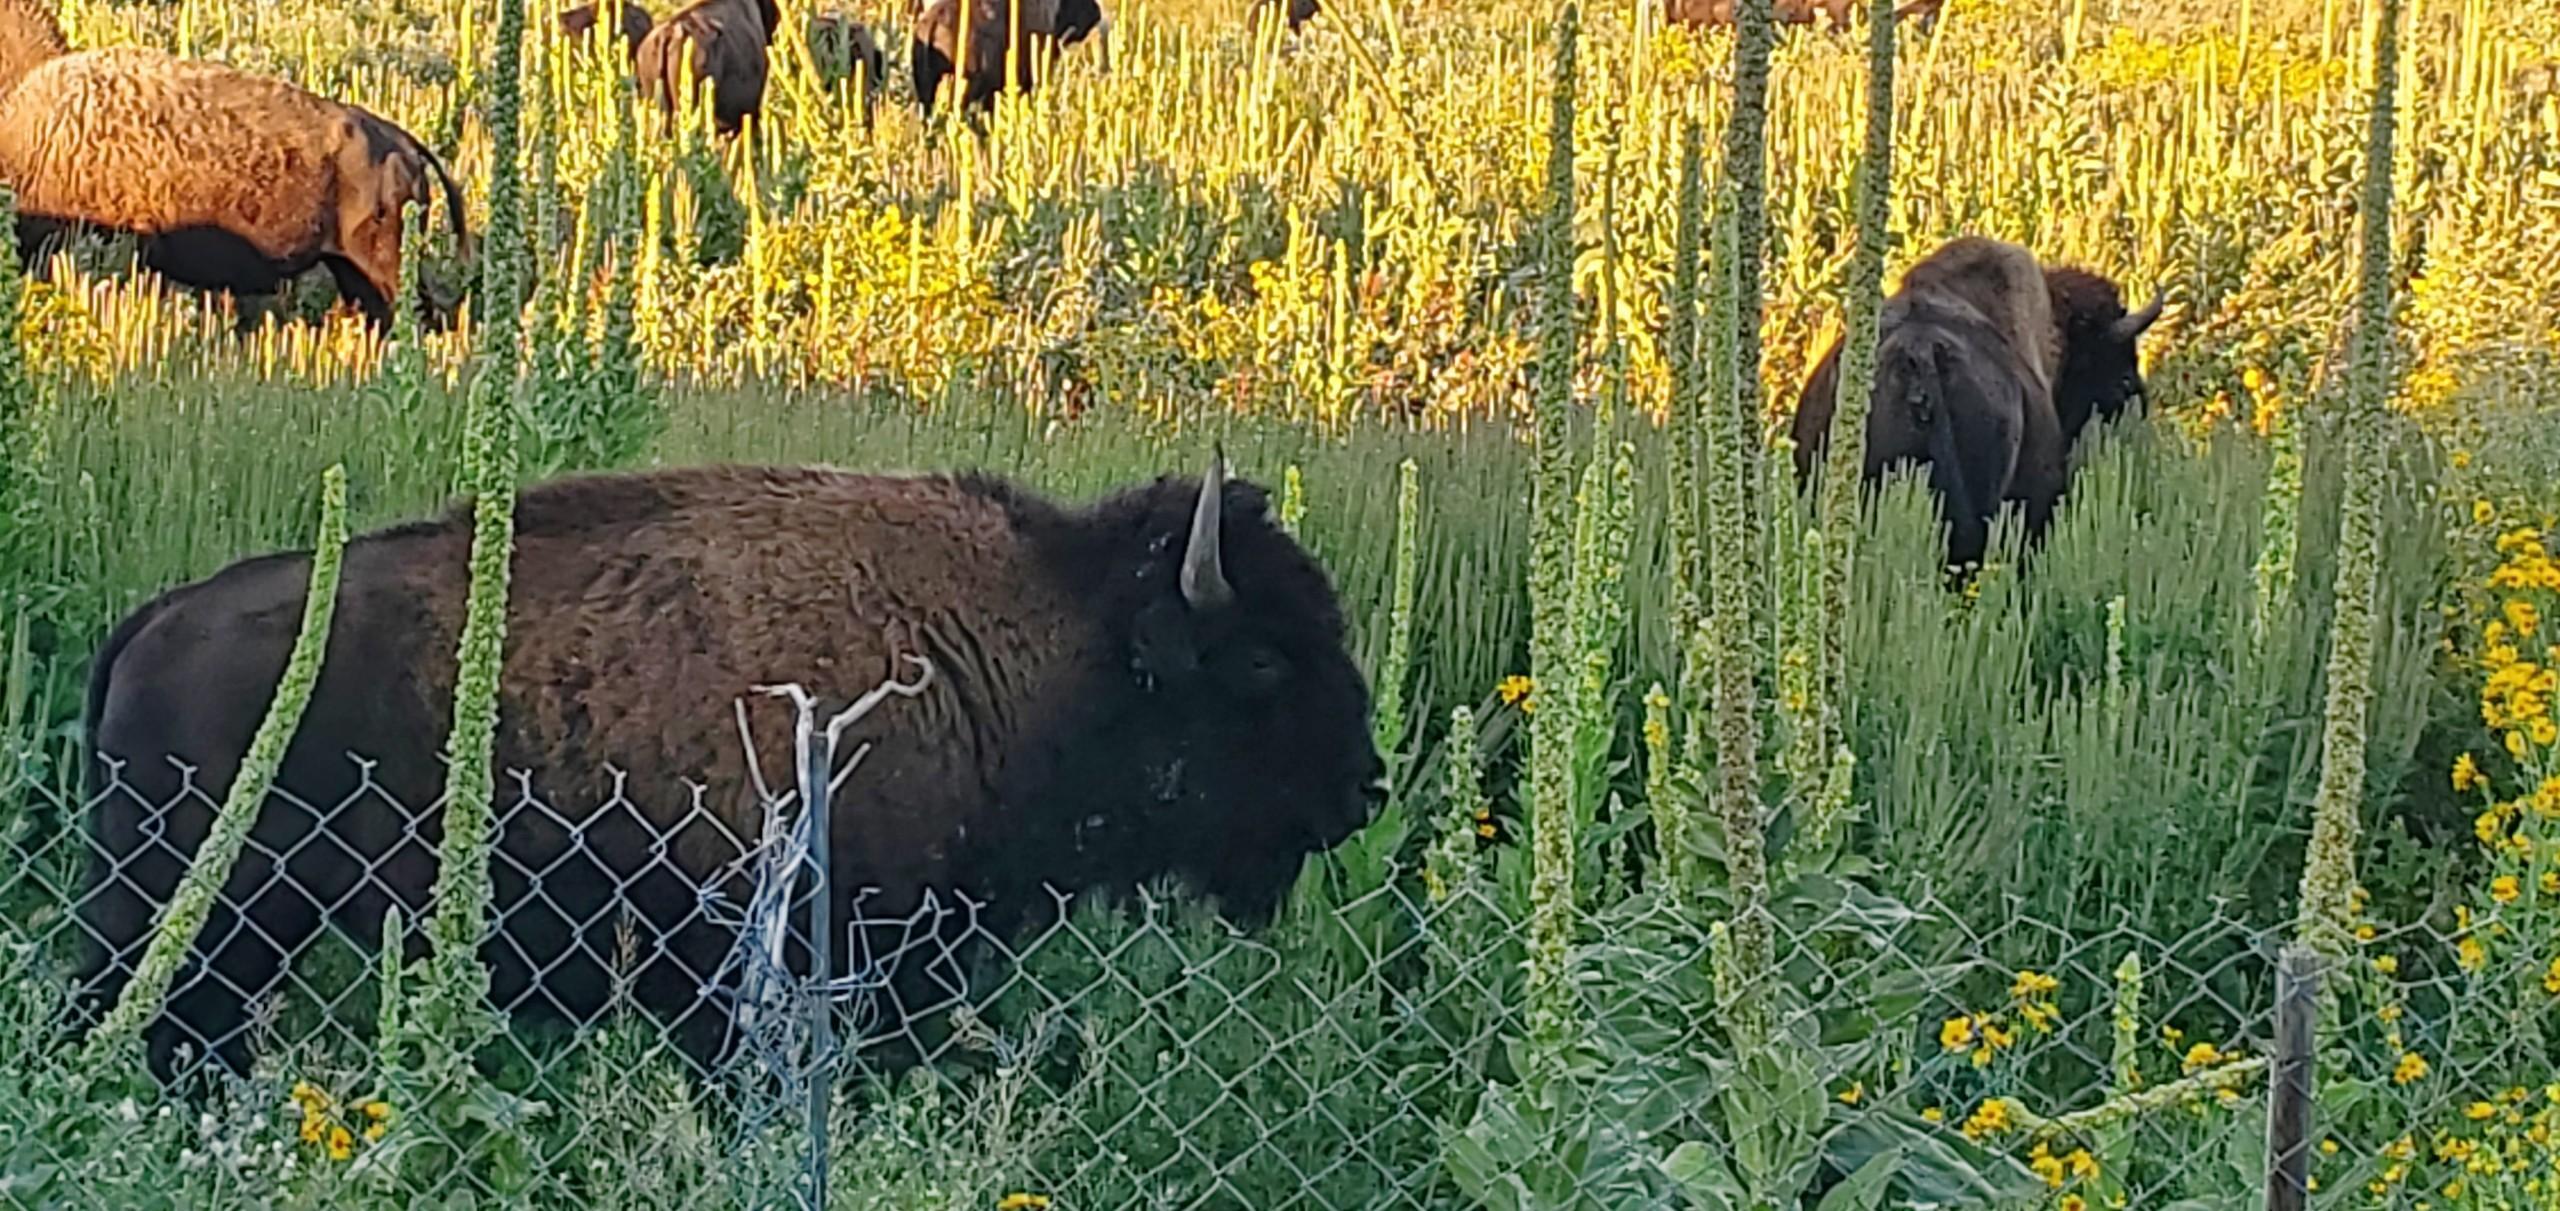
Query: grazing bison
[(1152, 684), (1965, 365), (1047, 27), (632, 21), (231, 181), (840, 46), (1708, 13), (726, 41)]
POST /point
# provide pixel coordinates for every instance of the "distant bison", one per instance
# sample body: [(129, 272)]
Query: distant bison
[(633, 22), (1792, 12), (231, 181), (1152, 684), (840, 47), (1968, 353), (1047, 26), (1296, 12), (727, 42)]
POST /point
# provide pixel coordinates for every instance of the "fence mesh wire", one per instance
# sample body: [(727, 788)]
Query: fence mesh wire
[(1369, 1049)]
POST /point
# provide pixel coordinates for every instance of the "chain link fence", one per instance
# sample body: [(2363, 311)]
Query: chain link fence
[(1369, 1049)]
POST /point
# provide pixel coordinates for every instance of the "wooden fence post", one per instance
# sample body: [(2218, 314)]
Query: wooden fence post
[(2290, 1077)]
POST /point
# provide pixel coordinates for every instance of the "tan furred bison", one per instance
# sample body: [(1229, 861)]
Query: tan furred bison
[(727, 42), (631, 21), (29, 35), (1974, 349), (1046, 25), (231, 181), (1151, 684)]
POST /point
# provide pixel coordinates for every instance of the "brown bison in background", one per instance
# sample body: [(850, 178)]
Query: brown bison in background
[(631, 20), (1974, 351), (726, 41), (1298, 12), (1047, 27), (230, 181), (1152, 684), (840, 47), (1707, 13)]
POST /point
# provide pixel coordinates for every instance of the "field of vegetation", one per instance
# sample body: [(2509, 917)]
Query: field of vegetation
[(1734, 861)]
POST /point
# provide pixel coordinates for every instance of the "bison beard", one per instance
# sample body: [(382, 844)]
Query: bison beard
[(1154, 684), (1988, 367), (232, 181)]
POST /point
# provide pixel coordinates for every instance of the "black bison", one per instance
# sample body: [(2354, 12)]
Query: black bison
[(1047, 27), (230, 181), (840, 47), (726, 42), (1152, 684), (631, 21), (1974, 349)]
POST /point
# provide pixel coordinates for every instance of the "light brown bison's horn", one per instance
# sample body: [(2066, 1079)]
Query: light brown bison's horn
[(2133, 325), (1204, 576)]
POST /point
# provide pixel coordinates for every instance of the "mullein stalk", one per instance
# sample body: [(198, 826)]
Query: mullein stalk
[(113, 1043), (1746, 176), (1738, 578), (1666, 801), (2115, 1143), (1389, 715), (2329, 870), (2280, 525), (22, 442), (1293, 499), (1551, 643)]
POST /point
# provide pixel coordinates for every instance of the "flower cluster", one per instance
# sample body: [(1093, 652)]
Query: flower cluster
[(334, 1133), (1983, 1036)]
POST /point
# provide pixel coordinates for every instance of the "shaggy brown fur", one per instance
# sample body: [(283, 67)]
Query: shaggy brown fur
[(1100, 711), (1966, 358), (232, 181), (2101, 374), (1299, 12), (1047, 26), (727, 42), (632, 21), (29, 35)]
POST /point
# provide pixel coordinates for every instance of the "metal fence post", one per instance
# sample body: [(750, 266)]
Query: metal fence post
[(2290, 1078)]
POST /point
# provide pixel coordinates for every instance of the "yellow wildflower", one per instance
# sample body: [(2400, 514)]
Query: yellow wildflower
[(2489, 826), (1022, 1202), (2202, 1055), (342, 1143), (1850, 1095), (2466, 773), (1516, 690), (2083, 1165), (2032, 984), (2482, 512), (1485, 830), (2550, 882), (2387, 964), (2521, 615), (2047, 1166), (2480, 1112), (2543, 731), (2470, 954), (1956, 1034), (1932, 1114), (2551, 979), (1989, 1119), (2328, 1147), (2505, 888), (2073, 1202), (2411, 1069)]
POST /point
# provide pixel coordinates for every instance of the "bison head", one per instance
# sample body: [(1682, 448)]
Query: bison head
[(1233, 739), (1076, 19), (2101, 374)]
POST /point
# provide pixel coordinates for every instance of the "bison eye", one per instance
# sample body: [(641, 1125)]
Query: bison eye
[(1260, 670)]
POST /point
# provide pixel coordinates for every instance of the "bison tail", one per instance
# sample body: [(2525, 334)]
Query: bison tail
[(452, 202), (1968, 506)]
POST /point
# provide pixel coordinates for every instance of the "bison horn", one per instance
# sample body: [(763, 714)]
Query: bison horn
[(1204, 576), (2133, 325)]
